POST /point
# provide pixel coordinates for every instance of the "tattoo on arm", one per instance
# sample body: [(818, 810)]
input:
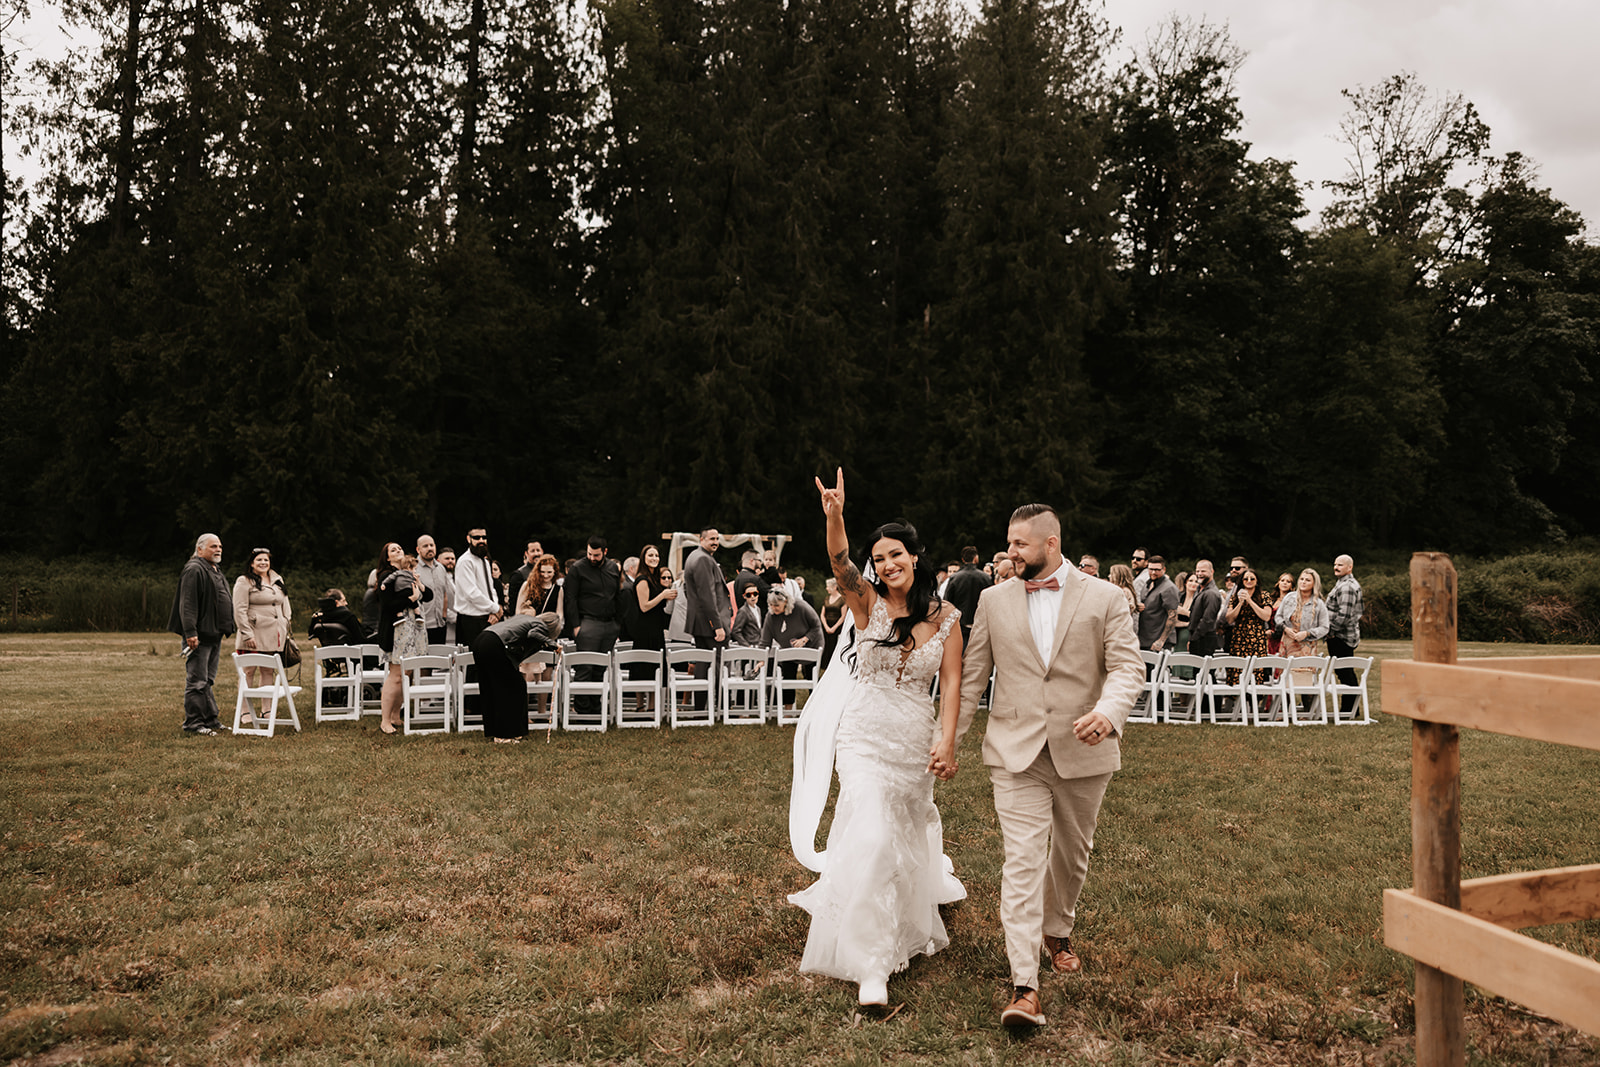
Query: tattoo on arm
[(847, 575)]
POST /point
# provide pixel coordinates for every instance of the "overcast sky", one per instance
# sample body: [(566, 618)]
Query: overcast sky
[(1529, 65)]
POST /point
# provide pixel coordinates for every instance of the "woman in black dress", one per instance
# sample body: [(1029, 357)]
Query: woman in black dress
[(655, 599)]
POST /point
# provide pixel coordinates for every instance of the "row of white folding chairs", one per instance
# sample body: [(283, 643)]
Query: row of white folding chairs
[(687, 686), (1181, 687), (737, 686)]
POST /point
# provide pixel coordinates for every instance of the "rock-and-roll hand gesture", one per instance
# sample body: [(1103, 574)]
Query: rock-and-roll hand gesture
[(832, 499)]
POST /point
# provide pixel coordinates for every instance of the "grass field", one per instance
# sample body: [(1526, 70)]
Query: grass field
[(339, 896)]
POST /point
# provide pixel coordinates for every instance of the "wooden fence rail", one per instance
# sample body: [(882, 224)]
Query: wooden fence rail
[(1459, 930)]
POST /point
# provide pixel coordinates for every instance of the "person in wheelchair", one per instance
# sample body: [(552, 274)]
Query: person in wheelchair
[(335, 624)]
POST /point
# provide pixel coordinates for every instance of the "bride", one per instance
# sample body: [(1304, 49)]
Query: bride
[(884, 874)]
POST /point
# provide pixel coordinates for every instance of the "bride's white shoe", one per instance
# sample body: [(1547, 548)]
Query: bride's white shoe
[(874, 992)]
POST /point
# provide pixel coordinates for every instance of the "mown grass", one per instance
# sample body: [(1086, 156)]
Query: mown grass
[(342, 897)]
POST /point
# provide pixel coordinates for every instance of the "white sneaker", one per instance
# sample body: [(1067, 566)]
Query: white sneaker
[(874, 992)]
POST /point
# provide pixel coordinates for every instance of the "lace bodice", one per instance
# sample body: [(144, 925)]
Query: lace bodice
[(895, 668)]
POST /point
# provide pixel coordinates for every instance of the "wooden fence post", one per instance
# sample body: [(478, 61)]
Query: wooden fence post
[(1436, 810)]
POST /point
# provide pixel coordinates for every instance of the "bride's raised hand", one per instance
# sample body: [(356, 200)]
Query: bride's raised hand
[(832, 499)]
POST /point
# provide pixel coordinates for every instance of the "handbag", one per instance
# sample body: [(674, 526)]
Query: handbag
[(290, 653)]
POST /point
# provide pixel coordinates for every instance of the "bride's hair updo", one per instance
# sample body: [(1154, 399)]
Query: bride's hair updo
[(922, 600)]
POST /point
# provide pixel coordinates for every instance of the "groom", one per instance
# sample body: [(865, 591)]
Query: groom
[(1067, 671)]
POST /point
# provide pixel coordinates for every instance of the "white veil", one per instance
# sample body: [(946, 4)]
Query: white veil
[(813, 750)]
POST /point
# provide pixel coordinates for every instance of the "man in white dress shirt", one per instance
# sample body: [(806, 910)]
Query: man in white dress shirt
[(1067, 671), (477, 600)]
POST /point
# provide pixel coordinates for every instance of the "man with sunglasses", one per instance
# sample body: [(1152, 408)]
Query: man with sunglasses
[(1141, 574)]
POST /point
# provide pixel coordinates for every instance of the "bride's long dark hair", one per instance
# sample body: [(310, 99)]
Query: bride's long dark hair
[(922, 599)]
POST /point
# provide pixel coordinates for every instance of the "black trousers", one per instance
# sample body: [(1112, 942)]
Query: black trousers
[(594, 635)]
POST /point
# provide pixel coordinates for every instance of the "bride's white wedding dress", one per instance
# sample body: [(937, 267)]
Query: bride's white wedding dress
[(884, 873)]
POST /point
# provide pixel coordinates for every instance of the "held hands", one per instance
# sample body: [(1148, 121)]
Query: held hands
[(1092, 728), (942, 760), (832, 499)]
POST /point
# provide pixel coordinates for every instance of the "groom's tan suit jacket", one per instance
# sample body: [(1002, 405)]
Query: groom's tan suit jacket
[(1095, 666)]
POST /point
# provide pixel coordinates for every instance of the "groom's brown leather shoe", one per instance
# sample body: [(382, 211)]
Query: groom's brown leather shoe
[(1024, 1010), (1062, 958)]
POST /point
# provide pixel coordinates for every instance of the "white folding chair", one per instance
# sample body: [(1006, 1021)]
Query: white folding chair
[(275, 690), (1173, 684), (596, 716), (1307, 676), (683, 688), (345, 684), (742, 685), (460, 689), (544, 693), (1269, 696), (786, 691), (644, 707), (1146, 707), (425, 692), (1219, 689), (1337, 690), (445, 650), (373, 672)]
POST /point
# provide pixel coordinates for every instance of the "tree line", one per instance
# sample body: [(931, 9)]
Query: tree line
[(318, 275)]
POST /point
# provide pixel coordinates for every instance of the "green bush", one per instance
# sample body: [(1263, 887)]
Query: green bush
[(1550, 597), (1536, 597), (95, 593)]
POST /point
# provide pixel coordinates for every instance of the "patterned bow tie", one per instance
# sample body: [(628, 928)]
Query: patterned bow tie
[(1049, 583)]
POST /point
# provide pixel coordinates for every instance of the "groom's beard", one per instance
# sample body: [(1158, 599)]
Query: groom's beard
[(1030, 571)]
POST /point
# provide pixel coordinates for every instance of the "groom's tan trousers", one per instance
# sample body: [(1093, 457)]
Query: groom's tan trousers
[(1048, 825)]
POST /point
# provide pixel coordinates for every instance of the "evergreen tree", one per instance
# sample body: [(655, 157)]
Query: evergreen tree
[(1026, 255)]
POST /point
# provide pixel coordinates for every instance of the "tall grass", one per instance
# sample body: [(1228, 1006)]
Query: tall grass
[(340, 897)]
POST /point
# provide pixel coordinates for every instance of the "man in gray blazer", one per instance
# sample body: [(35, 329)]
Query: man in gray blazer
[(706, 593), (1067, 671)]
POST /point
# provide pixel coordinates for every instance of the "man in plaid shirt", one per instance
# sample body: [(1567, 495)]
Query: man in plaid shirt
[(1344, 622)]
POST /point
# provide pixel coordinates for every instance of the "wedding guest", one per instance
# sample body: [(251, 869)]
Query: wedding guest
[(432, 572), (1304, 619), (260, 614), (1248, 614), (1158, 612), (964, 588), (1283, 588), (1203, 613), (334, 623), (1190, 584), (833, 619), (400, 629), (1121, 576), (1303, 614), (202, 614), (746, 628), (497, 652), (542, 591), (655, 598), (1344, 624)]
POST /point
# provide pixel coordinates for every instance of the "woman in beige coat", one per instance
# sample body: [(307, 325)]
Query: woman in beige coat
[(260, 610)]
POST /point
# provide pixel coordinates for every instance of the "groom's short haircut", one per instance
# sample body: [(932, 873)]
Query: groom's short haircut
[(1029, 512), (969, 554)]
